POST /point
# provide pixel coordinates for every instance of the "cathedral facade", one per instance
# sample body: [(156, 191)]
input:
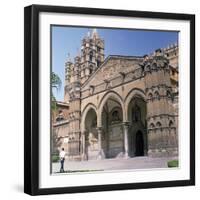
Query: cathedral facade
[(119, 106)]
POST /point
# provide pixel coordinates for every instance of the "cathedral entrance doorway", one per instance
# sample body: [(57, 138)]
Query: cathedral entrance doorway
[(137, 114), (139, 144)]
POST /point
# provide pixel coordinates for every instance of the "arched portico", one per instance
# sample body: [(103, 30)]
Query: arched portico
[(117, 121), (89, 132)]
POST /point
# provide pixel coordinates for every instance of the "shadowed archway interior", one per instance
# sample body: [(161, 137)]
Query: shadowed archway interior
[(137, 128), (139, 144)]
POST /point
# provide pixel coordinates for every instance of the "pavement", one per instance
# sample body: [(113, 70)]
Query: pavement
[(113, 164)]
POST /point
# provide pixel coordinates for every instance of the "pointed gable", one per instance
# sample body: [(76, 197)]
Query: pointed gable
[(111, 68)]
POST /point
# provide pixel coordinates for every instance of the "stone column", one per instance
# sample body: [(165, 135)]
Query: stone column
[(101, 153), (83, 145), (126, 142)]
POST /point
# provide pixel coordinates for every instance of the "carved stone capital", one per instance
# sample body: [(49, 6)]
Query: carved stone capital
[(126, 124)]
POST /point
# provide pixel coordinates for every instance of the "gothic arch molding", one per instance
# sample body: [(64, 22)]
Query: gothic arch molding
[(104, 99), (84, 114), (133, 93)]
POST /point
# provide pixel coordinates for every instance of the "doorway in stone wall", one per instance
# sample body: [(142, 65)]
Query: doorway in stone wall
[(139, 144)]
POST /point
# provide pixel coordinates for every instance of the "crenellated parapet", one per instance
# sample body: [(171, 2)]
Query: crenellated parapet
[(156, 61)]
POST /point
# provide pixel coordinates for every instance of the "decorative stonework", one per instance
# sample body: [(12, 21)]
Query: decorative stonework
[(115, 83)]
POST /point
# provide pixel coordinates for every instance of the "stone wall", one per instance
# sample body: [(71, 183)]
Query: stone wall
[(115, 144)]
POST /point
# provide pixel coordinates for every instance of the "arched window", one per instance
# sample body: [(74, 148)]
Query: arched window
[(115, 116), (136, 113), (150, 96), (156, 94), (154, 66), (158, 124), (171, 123), (91, 56), (152, 125)]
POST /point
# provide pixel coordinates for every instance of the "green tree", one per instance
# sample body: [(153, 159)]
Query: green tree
[(55, 84)]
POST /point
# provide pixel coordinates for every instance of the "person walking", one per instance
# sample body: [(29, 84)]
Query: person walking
[(62, 160)]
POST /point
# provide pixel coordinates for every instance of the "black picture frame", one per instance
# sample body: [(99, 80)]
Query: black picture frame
[(31, 98)]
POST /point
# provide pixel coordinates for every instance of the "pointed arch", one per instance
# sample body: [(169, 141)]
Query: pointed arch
[(156, 94), (171, 123), (150, 95), (158, 124), (136, 92), (152, 125), (90, 55), (104, 99), (87, 108)]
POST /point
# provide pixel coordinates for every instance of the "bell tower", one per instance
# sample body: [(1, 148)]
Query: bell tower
[(76, 73), (92, 54), (72, 96)]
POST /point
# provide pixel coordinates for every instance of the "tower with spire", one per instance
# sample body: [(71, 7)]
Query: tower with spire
[(92, 54), (76, 73), (87, 61)]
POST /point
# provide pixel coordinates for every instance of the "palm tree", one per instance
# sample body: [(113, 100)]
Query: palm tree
[(55, 83)]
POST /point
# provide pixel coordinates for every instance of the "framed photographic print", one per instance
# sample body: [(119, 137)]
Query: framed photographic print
[(109, 100)]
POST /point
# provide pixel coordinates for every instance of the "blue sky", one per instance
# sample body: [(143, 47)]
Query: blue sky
[(67, 40)]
